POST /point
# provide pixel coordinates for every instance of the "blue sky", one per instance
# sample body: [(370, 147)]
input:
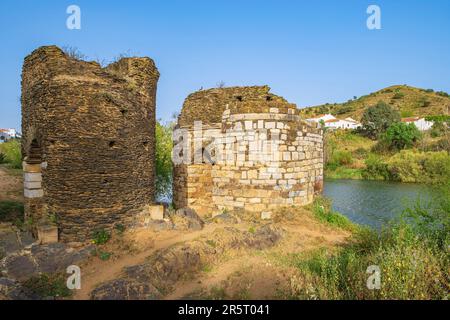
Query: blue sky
[(310, 52)]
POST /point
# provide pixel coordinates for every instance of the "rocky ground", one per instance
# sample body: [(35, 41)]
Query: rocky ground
[(230, 256)]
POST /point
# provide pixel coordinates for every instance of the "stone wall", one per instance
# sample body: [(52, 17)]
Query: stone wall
[(88, 139), (263, 155)]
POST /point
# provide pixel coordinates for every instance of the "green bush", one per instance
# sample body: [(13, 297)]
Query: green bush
[(12, 211), (321, 207), (376, 119), (439, 118), (11, 153), (442, 94), (375, 169), (421, 167), (361, 153), (423, 102), (100, 237), (340, 158), (163, 160), (48, 286), (401, 135), (412, 258), (443, 144), (438, 129)]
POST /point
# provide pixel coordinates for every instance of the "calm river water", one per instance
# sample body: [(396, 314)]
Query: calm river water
[(373, 203)]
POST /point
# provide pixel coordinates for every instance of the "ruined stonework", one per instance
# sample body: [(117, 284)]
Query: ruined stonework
[(88, 141), (251, 153)]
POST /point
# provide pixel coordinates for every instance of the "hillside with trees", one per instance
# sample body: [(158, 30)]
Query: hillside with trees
[(407, 101)]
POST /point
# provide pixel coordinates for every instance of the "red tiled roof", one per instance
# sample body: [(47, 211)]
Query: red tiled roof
[(410, 119)]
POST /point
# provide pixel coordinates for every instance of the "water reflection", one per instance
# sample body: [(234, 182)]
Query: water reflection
[(373, 203)]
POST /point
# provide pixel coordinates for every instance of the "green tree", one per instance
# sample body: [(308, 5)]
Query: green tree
[(438, 129), (164, 147), (376, 119), (401, 135)]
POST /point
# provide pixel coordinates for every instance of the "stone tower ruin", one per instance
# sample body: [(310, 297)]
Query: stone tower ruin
[(88, 141), (244, 149)]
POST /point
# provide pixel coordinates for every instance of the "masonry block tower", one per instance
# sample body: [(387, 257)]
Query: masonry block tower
[(251, 153), (88, 141)]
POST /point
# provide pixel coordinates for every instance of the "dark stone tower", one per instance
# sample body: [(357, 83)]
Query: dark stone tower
[(88, 141)]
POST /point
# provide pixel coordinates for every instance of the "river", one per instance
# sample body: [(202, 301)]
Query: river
[(373, 203)]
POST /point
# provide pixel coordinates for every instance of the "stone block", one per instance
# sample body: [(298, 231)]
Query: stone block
[(32, 185), (31, 194), (266, 215), (32, 177), (47, 234), (156, 212), (33, 168)]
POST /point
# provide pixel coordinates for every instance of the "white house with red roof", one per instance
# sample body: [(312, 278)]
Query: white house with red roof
[(332, 122), (420, 123), (6, 134)]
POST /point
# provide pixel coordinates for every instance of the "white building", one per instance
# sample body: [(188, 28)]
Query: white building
[(6, 134), (324, 118), (420, 123), (332, 122)]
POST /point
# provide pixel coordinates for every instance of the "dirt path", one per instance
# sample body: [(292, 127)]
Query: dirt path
[(99, 271), (239, 274), (254, 275)]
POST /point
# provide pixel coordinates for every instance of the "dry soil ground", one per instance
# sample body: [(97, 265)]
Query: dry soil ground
[(241, 273), (237, 273)]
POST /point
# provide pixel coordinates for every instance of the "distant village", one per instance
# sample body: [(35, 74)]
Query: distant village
[(331, 122), (7, 134)]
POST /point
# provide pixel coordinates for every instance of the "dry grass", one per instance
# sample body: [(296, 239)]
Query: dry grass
[(409, 101)]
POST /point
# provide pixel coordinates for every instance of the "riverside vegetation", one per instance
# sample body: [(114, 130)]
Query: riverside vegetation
[(386, 149), (412, 254)]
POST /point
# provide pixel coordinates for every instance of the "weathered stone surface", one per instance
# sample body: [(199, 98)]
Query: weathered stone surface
[(9, 242), (12, 290), (208, 105), (255, 153), (226, 218), (94, 128), (13, 240), (157, 212), (125, 289), (47, 234), (49, 258), (186, 218)]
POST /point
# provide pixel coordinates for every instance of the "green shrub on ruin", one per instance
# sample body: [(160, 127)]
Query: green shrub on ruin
[(100, 237)]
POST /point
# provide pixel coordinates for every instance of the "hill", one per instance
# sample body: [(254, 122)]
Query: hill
[(409, 101)]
